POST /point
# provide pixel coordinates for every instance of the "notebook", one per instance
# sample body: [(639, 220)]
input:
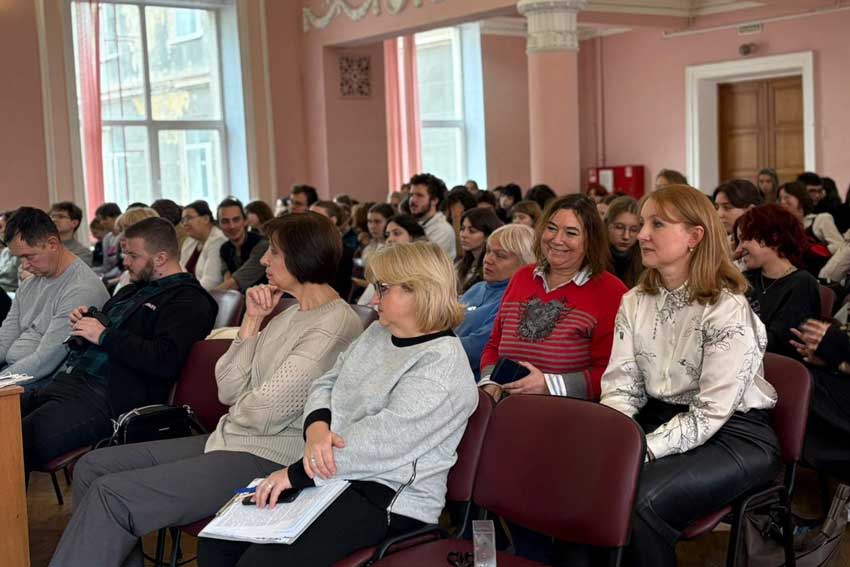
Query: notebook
[(283, 524), (14, 379)]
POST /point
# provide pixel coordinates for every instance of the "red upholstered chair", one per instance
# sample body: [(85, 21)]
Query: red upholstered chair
[(827, 302), (459, 487), (793, 385), (64, 463), (559, 466), (231, 303)]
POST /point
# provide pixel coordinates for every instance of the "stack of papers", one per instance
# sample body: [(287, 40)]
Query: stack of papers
[(15, 379), (282, 524)]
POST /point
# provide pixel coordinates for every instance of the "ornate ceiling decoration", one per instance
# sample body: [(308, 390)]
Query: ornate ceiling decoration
[(356, 13)]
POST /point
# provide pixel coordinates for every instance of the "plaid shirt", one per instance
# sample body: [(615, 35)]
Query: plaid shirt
[(92, 360)]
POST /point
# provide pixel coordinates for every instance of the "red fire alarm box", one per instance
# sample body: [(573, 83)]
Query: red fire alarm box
[(626, 179)]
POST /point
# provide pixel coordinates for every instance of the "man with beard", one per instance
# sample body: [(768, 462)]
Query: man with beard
[(129, 358), (426, 193), (37, 323), (242, 252)]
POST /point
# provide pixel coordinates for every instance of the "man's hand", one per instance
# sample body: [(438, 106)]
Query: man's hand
[(88, 328)]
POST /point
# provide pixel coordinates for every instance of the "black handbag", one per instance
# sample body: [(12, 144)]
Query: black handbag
[(153, 423)]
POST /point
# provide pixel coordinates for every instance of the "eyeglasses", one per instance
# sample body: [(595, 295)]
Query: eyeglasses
[(382, 288), (59, 216), (620, 227)]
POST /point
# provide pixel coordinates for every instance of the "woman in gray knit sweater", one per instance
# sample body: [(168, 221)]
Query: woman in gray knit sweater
[(388, 417), (122, 493)]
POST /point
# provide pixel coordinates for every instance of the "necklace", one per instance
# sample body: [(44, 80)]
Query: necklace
[(764, 289)]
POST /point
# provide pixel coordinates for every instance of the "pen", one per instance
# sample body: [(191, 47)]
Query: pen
[(249, 490)]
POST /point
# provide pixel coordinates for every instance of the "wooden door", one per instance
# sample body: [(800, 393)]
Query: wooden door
[(761, 125)]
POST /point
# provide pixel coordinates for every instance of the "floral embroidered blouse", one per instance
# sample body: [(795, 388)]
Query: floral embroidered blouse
[(708, 357)]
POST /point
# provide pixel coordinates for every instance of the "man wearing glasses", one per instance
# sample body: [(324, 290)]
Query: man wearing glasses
[(32, 335), (67, 217), (814, 186)]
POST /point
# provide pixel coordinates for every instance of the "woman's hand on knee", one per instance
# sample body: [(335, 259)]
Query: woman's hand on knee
[(318, 453)]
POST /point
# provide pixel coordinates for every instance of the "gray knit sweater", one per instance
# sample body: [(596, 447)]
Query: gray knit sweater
[(264, 379), (401, 405)]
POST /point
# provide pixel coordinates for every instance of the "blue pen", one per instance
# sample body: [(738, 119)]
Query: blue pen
[(250, 490)]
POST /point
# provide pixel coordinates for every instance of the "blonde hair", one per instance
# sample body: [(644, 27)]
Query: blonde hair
[(425, 270), (711, 270), (517, 239), (132, 216)]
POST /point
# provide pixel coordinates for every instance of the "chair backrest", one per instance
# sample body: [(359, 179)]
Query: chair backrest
[(827, 302), (793, 385), (564, 467), (231, 303), (196, 386), (366, 313), (282, 305), (462, 474)]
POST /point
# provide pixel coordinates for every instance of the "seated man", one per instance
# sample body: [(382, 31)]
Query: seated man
[(107, 214), (67, 217), (131, 362), (37, 323), (243, 250)]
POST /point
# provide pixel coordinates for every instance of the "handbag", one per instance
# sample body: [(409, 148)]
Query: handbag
[(819, 547), (153, 423)]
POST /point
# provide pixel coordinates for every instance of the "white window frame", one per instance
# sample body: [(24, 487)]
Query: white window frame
[(153, 127), (452, 35), (207, 149), (198, 24)]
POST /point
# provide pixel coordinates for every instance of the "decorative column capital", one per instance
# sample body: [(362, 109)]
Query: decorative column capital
[(552, 24)]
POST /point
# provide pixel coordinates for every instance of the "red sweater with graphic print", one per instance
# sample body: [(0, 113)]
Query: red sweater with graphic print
[(565, 331)]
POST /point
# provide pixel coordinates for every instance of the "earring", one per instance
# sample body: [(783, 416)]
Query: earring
[(690, 250)]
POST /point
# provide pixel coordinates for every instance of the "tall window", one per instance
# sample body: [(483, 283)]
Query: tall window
[(161, 104), (441, 106)]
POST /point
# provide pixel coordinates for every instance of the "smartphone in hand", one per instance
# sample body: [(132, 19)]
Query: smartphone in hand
[(285, 497)]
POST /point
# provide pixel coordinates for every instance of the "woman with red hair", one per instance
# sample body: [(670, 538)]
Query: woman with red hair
[(783, 296)]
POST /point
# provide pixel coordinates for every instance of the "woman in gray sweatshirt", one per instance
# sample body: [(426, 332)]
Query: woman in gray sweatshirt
[(387, 417)]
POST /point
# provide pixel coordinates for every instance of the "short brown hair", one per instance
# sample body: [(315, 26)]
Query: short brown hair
[(311, 246), (597, 256), (711, 268), (159, 236)]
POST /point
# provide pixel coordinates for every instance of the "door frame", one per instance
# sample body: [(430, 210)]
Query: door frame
[(701, 111)]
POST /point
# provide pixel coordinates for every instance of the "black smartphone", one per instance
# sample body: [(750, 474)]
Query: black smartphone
[(507, 371), (285, 497)]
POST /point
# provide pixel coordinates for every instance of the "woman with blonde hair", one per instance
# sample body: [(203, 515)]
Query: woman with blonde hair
[(509, 248), (387, 417), (687, 366)]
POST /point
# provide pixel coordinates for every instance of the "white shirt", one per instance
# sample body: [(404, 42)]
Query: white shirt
[(441, 233), (209, 270), (708, 357)]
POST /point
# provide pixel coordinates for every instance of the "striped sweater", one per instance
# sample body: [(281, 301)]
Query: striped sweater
[(562, 331)]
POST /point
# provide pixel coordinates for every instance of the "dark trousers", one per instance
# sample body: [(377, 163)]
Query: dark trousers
[(357, 519), (71, 411), (678, 489), (829, 424)]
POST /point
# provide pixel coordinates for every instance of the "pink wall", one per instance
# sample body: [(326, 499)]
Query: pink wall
[(644, 89), (505, 73), (23, 162)]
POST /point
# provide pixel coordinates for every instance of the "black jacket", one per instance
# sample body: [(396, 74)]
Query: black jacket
[(148, 349)]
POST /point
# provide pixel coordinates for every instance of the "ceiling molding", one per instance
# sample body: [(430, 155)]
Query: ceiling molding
[(516, 27), (675, 8)]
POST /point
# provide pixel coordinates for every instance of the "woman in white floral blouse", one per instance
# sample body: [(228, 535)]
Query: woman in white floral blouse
[(687, 365)]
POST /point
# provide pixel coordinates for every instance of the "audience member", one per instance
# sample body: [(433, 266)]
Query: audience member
[(137, 205), (527, 213), (201, 252), (781, 295), (376, 222), (597, 192), (426, 194), (667, 177), (394, 200), (541, 194), (768, 183), (477, 226), (67, 217), (32, 334), (401, 229), (488, 199), (263, 378), (401, 394), (508, 249), (258, 213), (342, 282), (602, 206), (511, 195), (734, 198), (823, 238), (826, 349), (8, 261), (457, 202), (172, 212), (360, 224), (241, 254), (127, 219), (472, 186), (97, 233), (814, 187), (557, 316), (687, 366), (131, 361), (831, 203), (302, 198), (107, 214), (623, 227)]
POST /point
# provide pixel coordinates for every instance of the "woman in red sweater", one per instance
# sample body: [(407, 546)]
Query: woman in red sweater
[(557, 315)]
